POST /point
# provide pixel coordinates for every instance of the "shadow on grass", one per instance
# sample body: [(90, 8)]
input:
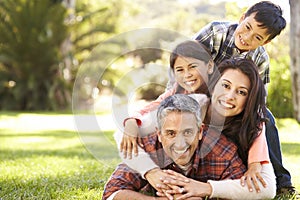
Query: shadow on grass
[(49, 133), (99, 145)]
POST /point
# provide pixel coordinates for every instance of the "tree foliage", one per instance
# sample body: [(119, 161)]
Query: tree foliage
[(31, 32), (42, 43)]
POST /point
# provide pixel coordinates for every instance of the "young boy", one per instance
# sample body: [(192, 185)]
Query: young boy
[(258, 26)]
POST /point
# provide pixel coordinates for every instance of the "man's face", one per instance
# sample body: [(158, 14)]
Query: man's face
[(248, 35), (180, 136)]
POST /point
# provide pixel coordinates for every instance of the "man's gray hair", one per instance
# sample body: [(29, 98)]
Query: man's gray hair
[(180, 103)]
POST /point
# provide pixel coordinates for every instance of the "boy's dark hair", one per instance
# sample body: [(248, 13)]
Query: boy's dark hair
[(269, 15)]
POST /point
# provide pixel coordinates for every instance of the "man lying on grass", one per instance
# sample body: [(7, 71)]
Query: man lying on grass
[(176, 147)]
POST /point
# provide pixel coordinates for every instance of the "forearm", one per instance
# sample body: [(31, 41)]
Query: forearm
[(259, 152), (232, 189), (141, 163)]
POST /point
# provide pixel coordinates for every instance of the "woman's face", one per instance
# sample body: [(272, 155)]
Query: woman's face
[(231, 93), (190, 73)]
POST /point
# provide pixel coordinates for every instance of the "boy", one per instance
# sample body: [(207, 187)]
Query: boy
[(258, 26)]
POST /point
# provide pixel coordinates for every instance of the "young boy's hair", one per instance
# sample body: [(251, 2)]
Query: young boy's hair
[(269, 15)]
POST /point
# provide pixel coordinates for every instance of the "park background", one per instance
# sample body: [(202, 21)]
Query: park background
[(69, 68)]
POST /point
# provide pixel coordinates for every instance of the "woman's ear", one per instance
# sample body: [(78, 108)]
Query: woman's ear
[(210, 66)]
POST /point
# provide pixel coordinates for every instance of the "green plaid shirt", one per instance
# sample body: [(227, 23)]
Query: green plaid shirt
[(219, 38)]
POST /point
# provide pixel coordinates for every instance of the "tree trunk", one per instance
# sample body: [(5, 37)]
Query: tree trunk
[(67, 44), (295, 55)]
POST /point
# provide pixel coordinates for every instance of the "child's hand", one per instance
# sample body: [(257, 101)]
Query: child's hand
[(130, 139), (252, 175)]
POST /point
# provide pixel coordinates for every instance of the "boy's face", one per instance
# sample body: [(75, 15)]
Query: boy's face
[(248, 35), (180, 136)]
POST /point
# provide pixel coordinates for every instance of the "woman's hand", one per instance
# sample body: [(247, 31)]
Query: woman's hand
[(131, 139), (252, 176)]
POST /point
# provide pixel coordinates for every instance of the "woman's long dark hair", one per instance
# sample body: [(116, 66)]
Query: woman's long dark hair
[(244, 128)]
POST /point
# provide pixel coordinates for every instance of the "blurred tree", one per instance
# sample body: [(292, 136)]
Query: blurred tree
[(279, 98), (295, 55), (92, 23), (42, 43), (31, 32)]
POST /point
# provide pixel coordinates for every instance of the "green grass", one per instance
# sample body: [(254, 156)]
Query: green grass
[(44, 156)]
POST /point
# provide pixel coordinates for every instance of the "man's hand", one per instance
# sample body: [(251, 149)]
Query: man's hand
[(186, 187), (130, 139), (155, 177), (252, 175)]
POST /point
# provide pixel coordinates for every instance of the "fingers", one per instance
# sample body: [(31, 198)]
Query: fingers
[(243, 179), (249, 184), (140, 143), (162, 187), (129, 149), (177, 176), (252, 182), (135, 148), (262, 180), (255, 183), (127, 146)]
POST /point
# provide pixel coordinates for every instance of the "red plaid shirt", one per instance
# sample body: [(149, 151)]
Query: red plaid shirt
[(215, 158)]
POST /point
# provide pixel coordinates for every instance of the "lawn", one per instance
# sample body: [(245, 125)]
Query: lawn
[(45, 156)]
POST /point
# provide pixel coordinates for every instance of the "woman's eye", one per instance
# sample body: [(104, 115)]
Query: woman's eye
[(247, 27), (243, 93)]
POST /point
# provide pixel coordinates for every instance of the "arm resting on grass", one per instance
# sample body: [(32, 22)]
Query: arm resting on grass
[(232, 189)]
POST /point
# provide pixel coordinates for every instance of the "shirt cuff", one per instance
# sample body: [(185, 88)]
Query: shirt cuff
[(138, 121), (111, 197)]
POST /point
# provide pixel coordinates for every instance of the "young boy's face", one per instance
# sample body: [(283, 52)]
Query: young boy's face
[(248, 35)]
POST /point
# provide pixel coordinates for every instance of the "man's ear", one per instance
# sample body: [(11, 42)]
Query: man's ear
[(158, 134), (242, 18), (201, 131)]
